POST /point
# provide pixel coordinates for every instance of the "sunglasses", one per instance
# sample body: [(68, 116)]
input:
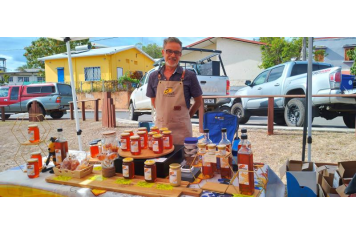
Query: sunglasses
[(169, 51)]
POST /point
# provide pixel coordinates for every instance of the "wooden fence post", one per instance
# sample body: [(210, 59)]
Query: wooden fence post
[(3, 114), (270, 115), (83, 110), (71, 111), (96, 110)]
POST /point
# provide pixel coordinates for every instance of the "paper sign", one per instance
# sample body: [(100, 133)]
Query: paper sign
[(336, 180), (209, 158), (161, 159)]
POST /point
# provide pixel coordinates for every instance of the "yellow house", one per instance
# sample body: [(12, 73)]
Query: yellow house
[(107, 63)]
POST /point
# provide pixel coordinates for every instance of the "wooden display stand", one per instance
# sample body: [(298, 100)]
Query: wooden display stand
[(108, 111)]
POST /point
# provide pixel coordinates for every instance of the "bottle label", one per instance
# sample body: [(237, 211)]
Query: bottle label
[(125, 171), (30, 170), (58, 155), (224, 162), (123, 144), (222, 153), (202, 150), (166, 142), (150, 142), (148, 174), (209, 158), (142, 142), (173, 177), (31, 135), (243, 174), (205, 163), (134, 146), (155, 146)]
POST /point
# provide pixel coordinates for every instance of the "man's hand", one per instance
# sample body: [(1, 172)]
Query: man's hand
[(198, 101), (153, 101)]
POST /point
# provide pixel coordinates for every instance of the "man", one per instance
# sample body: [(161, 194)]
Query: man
[(170, 89)]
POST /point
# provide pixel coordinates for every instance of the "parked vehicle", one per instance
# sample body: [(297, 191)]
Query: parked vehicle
[(290, 79), (53, 98), (211, 83)]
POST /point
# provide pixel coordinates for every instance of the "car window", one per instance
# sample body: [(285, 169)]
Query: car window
[(14, 95), (64, 89), (143, 80), (48, 89), (275, 74), (261, 78), (36, 89), (4, 92), (299, 69)]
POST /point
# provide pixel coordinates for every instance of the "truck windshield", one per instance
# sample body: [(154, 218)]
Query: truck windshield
[(64, 89)]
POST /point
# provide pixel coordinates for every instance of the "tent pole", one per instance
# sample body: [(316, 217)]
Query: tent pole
[(67, 41), (305, 126), (310, 104)]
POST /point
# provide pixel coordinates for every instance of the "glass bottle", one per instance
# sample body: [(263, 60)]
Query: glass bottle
[(60, 147), (224, 140), (245, 167), (225, 162), (206, 138), (244, 131)]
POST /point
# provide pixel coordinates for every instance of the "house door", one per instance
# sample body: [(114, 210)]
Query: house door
[(119, 72), (60, 73)]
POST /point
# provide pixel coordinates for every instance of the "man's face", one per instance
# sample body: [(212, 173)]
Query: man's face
[(172, 53)]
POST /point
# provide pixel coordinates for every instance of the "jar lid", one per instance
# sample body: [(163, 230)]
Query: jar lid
[(128, 159), (163, 129), (142, 128), (191, 140), (202, 145), (125, 134), (32, 160), (150, 162), (154, 127), (35, 153), (157, 136), (108, 133), (30, 126), (174, 166), (167, 132), (135, 137), (152, 133), (211, 146), (222, 146), (141, 132), (128, 130)]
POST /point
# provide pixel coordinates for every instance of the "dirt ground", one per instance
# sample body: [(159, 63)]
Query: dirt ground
[(273, 150)]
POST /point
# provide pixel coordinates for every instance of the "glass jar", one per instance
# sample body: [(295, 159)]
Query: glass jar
[(142, 129), (150, 171), (150, 139), (130, 131), (125, 142), (94, 150), (33, 133), (175, 174), (109, 142), (157, 144), (167, 139), (143, 139), (38, 156), (33, 170), (162, 129), (128, 168), (135, 145), (155, 129)]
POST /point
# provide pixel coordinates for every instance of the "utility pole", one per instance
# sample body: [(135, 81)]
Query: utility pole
[(304, 49)]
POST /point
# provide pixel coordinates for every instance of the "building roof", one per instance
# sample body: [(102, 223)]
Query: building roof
[(94, 52), (236, 39)]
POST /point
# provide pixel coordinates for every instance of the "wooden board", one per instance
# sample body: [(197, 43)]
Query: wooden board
[(109, 184), (146, 153), (224, 188)]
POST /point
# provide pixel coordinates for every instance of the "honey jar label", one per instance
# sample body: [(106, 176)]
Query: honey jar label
[(134, 146), (142, 142), (125, 171), (148, 174), (222, 153), (150, 142), (207, 164), (224, 162), (166, 141), (31, 135), (243, 174), (58, 154), (173, 177), (155, 146), (30, 170), (123, 144), (209, 158)]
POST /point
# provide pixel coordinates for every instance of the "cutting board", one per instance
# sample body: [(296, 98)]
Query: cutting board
[(110, 184), (224, 188)]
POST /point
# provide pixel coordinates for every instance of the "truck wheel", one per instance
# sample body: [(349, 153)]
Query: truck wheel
[(279, 119), (56, 114), (349, 120), (132, 114), (240, 112), (225, 109), (294, 113), (7, 116)]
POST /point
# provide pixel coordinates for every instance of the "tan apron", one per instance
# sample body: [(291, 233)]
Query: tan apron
[(171, 109)]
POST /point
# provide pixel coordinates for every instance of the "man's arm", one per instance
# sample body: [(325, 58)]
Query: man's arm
[(153, 101), (198, 101)]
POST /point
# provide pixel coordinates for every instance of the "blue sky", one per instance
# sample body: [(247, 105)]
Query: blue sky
[(11, 48)]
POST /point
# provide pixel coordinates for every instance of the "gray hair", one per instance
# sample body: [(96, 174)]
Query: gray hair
[(171, 40)]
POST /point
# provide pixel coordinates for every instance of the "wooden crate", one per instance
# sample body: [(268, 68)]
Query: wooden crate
[(75, 173)]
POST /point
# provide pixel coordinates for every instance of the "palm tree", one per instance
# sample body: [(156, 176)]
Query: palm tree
[(22, 68)]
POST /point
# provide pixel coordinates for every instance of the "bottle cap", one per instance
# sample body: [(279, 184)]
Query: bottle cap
[(243, 130), (223, 130), (191, 140), (59, 130), (206, 130), (243, 136)]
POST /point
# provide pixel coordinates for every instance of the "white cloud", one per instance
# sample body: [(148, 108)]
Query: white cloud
[(11, 64)]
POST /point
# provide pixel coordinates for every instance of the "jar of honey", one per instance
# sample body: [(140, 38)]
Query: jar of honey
[(142, 129), (150, 139), (150, 171), (162, 129), (155, 129), (33, 133), (143, 139), (125, 142), (38, 156), (109, 141), (157, 144), (175, 174), (135, 145), (130, 131), (33, 170), (128, 168), (167, 139)]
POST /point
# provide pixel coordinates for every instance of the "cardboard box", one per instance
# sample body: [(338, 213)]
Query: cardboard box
[(341, 191), (325, 169), (347, 169), (327, 186), (301, 178)]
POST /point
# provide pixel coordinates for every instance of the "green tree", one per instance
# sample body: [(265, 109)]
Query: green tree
[(4, 79), (352, 56), (153, 50), (22, 68)]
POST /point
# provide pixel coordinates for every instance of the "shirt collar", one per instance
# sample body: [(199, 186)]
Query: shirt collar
[(179, 70)]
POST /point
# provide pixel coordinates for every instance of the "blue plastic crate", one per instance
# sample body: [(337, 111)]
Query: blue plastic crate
[(347, 82)]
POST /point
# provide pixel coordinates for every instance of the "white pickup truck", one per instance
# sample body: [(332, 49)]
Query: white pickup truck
[(212, 85), (290, 79)]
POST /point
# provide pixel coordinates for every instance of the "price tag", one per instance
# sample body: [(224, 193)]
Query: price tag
[(209, 158)]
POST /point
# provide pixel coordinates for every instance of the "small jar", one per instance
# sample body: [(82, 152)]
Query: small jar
[(202, 148), (109, 141), (175, 174), (33, 133), (128, 168), (221, 150), (130, 131), (162, 129), (167, 139), (150, 139), (38, 156), (211, 149), (94, 150), (33, 171), (157, 144), (155, 129), (125, 142), (135, 145), (142, 129), (143, 139), (150, 171)]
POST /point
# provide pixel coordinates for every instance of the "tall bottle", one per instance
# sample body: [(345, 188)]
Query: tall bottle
[(208, 141), (223, 141), (244, 131), (245, 166), (60, 146)]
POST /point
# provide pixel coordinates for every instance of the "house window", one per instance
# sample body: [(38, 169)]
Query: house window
[(26, 79), (92, 73), (319, 55), (20, 79), (346, 56), (11, 79), (40, 79)]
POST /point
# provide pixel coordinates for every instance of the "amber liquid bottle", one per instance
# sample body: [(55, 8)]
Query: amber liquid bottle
[(245, 166), (61, 147), (207, 141)]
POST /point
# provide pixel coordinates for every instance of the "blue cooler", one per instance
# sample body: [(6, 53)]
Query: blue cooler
[(347, 82), (148, 125)]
